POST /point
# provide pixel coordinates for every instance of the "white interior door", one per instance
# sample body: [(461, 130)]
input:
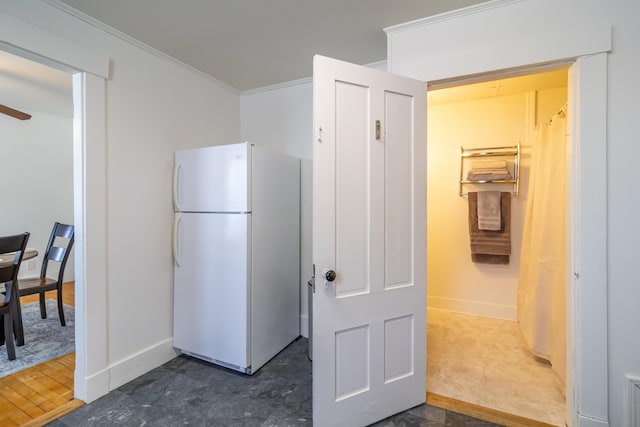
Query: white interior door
[(369, 228)]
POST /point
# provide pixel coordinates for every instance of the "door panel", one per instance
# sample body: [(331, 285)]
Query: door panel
[(398, 346), (398, 171), (369, 330), (352, 362), (351, 232)]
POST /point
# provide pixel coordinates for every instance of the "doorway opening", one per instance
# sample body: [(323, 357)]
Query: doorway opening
[(42, 153), (477, 351)]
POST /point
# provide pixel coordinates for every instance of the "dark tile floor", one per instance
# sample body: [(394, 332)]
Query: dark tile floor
[(188, 391)]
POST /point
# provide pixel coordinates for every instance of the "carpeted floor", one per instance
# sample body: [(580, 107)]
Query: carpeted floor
[(44, 339)]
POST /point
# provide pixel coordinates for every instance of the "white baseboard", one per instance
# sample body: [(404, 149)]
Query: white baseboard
[(591, 422), (632, 401), (92, 387), (473, 307), (140, 363)]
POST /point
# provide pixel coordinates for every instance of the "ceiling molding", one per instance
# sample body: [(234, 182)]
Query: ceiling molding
[(278, 86), (379, 65), (469, 10), (132, 41)]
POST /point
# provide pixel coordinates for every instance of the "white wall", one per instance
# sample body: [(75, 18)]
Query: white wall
[(280, 117), (154, 106), (455, 282), (525, 32), (38, 177)]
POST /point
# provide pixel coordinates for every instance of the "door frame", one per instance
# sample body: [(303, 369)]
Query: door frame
[(89, 72), (587, 388), (572, 235)]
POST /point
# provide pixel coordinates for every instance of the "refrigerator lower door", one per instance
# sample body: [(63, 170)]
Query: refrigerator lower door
[(211, 287)]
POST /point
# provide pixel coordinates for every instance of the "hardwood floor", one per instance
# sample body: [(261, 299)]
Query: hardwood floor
[(482, 413), (41, 393)]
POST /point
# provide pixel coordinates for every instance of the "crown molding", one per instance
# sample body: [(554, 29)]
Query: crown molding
[(277, 86), (306, 80), (469, 10), (132, 41)]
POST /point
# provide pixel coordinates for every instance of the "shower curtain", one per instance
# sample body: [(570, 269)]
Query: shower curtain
[(541, 287)]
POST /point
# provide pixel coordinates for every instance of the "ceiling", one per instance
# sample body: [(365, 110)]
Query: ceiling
[(246, 44), (249, 44), (507, 86)]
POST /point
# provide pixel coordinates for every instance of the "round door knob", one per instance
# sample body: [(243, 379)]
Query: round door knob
[(330, 275)]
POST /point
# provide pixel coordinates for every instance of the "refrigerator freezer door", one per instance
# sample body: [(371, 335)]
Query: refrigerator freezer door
[(211, 287), (213, 179)]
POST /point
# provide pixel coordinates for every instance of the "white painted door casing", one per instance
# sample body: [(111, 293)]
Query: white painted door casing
[(369, 352)]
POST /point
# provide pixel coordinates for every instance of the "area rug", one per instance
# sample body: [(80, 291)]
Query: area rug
[(44, 339)]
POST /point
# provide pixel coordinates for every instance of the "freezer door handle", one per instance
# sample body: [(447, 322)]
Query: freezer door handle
[(176, 174), (176, 224)]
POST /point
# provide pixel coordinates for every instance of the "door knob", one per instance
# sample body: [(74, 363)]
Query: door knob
[(330, 275)]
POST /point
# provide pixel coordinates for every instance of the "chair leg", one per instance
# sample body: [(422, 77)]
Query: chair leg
[(1, 329), (8, 335), (60, 306), (17, 321), (43, 306)]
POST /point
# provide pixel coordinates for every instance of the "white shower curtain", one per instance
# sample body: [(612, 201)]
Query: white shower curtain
[(541, 287)]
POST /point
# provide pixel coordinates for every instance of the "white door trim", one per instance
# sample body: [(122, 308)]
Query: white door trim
[(91, 379), (588, 47), (33, 43), (588, 107)]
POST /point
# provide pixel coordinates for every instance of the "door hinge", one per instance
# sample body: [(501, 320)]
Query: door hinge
[(378, 130), (320, 134)]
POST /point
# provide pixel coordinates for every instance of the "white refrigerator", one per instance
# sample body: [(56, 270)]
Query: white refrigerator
[(236, 251)]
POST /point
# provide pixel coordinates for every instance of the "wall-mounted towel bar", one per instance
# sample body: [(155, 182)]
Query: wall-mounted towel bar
[(477, 168)]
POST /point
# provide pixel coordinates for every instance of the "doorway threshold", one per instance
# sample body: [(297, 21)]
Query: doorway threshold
[(482, 413)]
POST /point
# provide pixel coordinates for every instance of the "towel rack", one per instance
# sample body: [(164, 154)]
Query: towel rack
[(509, 151)]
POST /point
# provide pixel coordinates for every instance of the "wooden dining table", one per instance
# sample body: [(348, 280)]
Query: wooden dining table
[(7, 259)]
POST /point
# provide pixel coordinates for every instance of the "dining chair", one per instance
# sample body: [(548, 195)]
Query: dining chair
[(58, 249), (9, 305)]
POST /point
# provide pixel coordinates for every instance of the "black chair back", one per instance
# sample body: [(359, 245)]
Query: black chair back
[(56, 253), (57, 250), (9, 244)]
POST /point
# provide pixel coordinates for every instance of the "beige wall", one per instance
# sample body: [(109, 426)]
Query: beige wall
[(454, 281)]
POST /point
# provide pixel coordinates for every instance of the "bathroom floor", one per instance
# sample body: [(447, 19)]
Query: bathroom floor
[(485, 361)]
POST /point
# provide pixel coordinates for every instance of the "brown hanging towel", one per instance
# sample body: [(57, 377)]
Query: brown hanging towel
[(488, 246)]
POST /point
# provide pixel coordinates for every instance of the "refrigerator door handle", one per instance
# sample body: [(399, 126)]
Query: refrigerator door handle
[(176, 174), (176, 224)]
